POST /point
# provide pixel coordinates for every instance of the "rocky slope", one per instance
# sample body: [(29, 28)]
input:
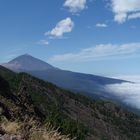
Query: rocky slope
[(23, 97)]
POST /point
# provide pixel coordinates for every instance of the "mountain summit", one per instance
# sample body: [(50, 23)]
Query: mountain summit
[(27, 63)]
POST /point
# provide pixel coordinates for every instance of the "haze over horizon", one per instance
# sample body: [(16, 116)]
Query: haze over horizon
[(87, 36)]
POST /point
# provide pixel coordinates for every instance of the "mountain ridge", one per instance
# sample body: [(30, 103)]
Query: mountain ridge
[(61, 78), (28, 57)]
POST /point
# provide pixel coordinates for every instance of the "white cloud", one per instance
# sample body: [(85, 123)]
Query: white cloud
[(102, 25), (43, 42), (123, 9), (75, 5), (62, 27), (134, 15), (128, 93), (100, 52), (120, 18)]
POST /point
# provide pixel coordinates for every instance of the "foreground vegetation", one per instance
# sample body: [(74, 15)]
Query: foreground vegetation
[(23, 97), (30, 130)]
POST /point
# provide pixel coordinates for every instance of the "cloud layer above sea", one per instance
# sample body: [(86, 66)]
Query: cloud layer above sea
[(128, 93)]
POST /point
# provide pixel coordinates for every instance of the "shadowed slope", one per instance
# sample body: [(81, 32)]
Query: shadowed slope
[(75, 114)]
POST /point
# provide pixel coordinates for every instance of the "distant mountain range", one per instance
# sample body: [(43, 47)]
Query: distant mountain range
[(28, 103), (27, 63), (87, 84)]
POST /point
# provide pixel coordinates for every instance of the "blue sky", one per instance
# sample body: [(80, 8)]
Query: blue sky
[(91, 36)]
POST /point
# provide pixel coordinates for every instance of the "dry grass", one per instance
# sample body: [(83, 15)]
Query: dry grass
[(11, 127), (47, 133), (36, 132)]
